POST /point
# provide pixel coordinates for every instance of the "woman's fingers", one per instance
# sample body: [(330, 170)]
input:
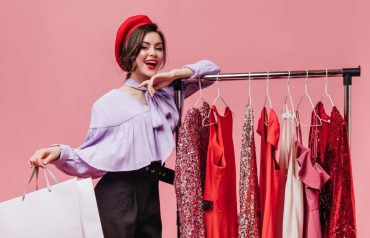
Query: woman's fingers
[(32, 160), (49, 158), (144, 83), (37, 158), (149, 85), (44, 156)]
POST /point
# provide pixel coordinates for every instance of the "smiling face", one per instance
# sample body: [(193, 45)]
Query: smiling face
[(144, 52), (150, 57)]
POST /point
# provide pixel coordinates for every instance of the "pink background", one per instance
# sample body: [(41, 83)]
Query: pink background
[(57, 58)]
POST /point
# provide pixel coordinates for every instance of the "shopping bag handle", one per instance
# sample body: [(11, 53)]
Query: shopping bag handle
[(35, 171)]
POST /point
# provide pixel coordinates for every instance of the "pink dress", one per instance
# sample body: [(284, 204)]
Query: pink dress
[(314, 177)]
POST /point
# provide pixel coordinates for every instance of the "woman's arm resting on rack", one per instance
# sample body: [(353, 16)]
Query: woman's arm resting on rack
[(190, 71), (163, 79)]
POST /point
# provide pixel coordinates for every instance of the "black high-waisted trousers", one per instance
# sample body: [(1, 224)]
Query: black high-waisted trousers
[(128, 204)]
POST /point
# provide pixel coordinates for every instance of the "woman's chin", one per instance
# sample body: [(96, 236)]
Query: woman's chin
[(150, 73)]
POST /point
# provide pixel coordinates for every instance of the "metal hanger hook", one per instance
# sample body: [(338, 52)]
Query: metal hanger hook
[(288, 85), (289, 93), (326, 88), (218, 86), (249, 90), (200, 87), (306, 83), (268, 89), (326, 82)]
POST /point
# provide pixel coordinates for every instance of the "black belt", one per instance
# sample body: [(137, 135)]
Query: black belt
[(162, 173)]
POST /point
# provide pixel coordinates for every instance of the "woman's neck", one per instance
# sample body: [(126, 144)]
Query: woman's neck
[(138, 77)]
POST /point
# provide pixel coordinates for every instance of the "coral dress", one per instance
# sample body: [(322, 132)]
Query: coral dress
[(220, 185), (269, 129)]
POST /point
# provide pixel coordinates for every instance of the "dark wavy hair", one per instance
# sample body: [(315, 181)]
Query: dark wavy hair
[(132, 47)]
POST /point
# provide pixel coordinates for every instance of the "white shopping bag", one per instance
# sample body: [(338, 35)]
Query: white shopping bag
[(64, 210), (89, 210)]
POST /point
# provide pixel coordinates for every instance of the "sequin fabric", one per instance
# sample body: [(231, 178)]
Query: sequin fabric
[(189, 170), (339, 205), (250, 212)]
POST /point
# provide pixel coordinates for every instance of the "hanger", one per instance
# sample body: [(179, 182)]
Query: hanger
[(267, 91), (249, 90), (306, 94), (215, 100), (326, 90), (289, 96), (218, 93), (200, 93), (267, 94)]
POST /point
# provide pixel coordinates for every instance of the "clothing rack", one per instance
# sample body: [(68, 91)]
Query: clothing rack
[(346, 73)]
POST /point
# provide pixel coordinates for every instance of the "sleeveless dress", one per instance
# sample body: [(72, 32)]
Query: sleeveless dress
[(269, 130), (293, 216), (220, 185), (250, 212)]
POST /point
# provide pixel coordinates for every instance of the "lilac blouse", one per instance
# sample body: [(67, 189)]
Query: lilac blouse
[(125, 134)]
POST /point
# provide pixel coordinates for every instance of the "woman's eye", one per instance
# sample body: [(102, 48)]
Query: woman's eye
[(144, 47), (160, 49)]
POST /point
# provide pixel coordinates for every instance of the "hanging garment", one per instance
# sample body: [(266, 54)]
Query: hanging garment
[(318, 137), (339, 206), (191, 151), (250, 212), (204, 138), (318, 143), (285, 155), (269, 130), (220, 185), (293, 216), (314, 177)]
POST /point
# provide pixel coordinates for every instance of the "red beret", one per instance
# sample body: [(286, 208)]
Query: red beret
[(124, 31)]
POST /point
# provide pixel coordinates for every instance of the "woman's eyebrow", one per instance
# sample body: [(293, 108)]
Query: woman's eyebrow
[(145, 42)]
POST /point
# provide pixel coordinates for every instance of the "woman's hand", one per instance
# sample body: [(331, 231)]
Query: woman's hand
[(163, 79), (44, 156)]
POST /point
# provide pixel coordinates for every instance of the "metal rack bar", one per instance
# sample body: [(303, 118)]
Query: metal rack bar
[(346, 73)]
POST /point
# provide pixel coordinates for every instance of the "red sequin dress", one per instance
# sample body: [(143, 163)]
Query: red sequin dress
[(250, 212), (189, 170), (337, 204)]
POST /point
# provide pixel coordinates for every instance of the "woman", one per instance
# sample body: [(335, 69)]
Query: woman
[(130, 134)]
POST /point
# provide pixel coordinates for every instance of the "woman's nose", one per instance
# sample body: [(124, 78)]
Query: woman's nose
[(152, 51)]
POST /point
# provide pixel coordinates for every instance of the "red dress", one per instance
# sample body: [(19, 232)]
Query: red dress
[(269, 129), (220, 185), (339, 202)]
